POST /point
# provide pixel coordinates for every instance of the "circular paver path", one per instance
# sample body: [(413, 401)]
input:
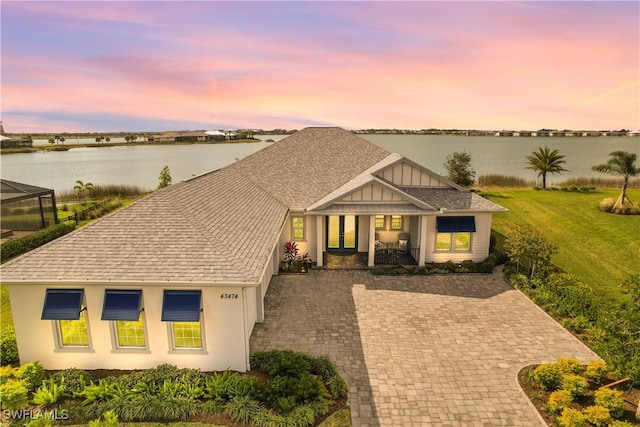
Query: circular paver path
[(418, 350)]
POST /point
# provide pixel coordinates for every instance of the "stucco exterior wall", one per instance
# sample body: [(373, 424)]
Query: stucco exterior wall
[(308, 245), (223, 329)]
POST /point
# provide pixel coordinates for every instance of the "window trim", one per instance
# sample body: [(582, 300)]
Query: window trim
[(304, 228), (384, 222), (115, 337)]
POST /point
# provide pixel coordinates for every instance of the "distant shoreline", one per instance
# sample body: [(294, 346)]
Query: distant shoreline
[(67, 147)]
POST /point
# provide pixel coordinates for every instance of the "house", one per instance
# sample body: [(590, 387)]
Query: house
[(180, 276)]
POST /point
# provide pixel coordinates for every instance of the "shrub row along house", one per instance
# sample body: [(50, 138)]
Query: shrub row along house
[(180, 276)]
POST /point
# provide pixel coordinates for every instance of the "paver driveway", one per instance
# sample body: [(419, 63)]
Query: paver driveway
[(418, 351)]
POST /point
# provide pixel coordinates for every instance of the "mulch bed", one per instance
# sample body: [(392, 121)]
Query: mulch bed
[(539, 397)]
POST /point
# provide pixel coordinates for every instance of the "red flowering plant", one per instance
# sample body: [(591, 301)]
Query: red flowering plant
[(294, 262)]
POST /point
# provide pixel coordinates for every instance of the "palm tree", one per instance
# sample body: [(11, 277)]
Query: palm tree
[(82, 188), (620, 163), (546, 161)]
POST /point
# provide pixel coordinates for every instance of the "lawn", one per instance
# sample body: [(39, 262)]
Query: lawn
[(599, 248)]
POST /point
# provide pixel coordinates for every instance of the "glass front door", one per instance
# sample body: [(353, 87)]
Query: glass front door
[(342, 233)]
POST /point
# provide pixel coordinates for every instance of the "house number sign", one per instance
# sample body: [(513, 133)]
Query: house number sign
[(228, 296)]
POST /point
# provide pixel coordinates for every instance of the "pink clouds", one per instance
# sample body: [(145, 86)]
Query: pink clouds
[(414, 65)]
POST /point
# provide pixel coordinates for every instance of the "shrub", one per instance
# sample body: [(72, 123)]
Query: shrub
[(606, 205), (572, 418), (12, 248), (8, 344), (302, 416), (280, 363), (610, 399), (548, 376), (49, 393), (110, 420), (617, 423), (13, 394), (575, 384), (73, 379), (241, 409), (6, 373), (596, 369), (32, 373), (597, 415), (558, 400), (569, 365)]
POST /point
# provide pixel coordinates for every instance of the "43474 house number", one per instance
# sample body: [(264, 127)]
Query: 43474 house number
[(228, 296)]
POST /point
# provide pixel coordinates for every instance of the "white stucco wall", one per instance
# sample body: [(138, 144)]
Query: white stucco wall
[(223, 329), (308, 245), (479, 241)]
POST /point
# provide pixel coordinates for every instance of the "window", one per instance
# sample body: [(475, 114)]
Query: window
[(124, 308), (380, 223), (396, 222), (183, 310), (74, 333), (64, 306), (457, 241), (130, 333), (454, 233), (186, 335), (297, 228)]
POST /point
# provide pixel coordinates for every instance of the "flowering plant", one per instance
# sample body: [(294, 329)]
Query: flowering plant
[(294, 262)]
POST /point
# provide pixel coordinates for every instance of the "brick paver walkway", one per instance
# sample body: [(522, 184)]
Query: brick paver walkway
[(418, 351)]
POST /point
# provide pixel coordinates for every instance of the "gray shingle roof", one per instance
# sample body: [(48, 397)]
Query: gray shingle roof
[(301, 169), (452, 199)]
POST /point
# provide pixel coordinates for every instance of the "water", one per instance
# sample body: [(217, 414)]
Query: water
[(141, 165)]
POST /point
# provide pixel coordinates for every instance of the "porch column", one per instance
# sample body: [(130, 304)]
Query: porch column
[(319, 239), (372, 241), (423, 240)]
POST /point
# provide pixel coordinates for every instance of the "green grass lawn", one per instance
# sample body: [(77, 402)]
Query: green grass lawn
[(599, 248)]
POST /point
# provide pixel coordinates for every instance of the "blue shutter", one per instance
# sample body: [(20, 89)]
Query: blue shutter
[(121, 305), (62, 304), (455, 224), (181, 306)]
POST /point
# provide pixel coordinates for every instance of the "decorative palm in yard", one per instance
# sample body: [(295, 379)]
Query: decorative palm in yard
[(82, 189), (546, 161), (620, 163)]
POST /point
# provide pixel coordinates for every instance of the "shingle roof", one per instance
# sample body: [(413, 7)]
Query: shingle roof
[(453, 199), (219, 227), (308, 165)]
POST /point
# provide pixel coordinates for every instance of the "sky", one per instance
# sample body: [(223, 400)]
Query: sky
[(183, 65)]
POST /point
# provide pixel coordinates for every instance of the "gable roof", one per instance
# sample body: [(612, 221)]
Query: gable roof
[(306, 166)]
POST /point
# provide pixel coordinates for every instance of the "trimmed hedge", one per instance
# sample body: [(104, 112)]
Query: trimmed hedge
[(13, 248), (448, 267)]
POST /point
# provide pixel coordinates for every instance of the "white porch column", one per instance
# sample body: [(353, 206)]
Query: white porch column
[(372, 240), (320, 219), (423, 240)]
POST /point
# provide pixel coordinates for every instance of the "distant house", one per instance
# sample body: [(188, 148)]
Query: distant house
[(8, 142), (180, 276)]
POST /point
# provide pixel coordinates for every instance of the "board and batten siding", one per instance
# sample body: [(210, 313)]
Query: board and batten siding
[(406, 174), (373, 192), (479, 241), (223, 329)]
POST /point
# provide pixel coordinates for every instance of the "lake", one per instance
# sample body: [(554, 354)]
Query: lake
[(141, 164)]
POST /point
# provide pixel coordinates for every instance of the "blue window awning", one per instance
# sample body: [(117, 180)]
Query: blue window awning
[(62, 304), (456, 224), (181, 306), (121, 305)]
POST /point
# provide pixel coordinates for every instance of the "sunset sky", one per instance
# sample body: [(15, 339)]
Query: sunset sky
[(171, 65)]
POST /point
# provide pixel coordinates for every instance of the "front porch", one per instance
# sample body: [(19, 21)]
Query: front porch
[(359, 260)]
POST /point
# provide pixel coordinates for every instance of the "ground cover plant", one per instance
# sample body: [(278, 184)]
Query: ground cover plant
[(284, 388), (567, 393), (600, 249)]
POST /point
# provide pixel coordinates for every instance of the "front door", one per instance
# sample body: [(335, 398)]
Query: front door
[(342, 233)]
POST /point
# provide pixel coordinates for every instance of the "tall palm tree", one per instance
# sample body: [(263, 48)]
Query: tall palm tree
[(620, 163), (82, 188), (546, 161)]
